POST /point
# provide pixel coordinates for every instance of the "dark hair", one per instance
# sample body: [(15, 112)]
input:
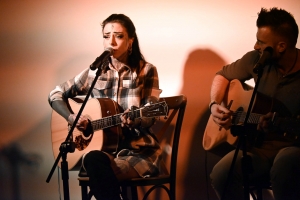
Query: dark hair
[(136, 56), (281, 22)]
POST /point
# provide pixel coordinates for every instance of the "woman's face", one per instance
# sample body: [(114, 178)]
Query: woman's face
[(115, 35)]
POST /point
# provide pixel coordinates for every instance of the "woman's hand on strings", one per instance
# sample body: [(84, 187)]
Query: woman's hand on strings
[(127, 121)]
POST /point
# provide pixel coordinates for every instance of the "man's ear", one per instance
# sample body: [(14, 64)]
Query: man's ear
[(281, 46)]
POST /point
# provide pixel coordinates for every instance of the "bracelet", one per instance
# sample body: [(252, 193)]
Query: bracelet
[(212, 103), (70, 119)]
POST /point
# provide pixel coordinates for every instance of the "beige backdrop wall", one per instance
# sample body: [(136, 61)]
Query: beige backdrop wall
[(43, 43)]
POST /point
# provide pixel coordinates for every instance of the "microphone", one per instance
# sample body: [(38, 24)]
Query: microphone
[(264, 58), (99, 60)]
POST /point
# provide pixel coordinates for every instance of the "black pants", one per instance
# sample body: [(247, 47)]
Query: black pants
[(103, 182)]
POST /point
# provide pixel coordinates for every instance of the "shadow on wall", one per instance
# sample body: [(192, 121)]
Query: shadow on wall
[(199, 70), (25, 164), (13, 158)]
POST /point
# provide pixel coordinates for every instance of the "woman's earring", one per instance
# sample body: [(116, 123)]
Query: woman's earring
[(129, 50)]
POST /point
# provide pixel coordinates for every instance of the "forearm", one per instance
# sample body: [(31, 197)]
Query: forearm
[(220, 114), (218, 89), (61, 108)]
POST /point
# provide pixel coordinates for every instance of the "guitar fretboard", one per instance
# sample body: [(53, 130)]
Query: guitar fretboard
[(113, 120), (240, 116)]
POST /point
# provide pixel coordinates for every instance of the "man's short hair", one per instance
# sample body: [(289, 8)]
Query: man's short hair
[(281, 22)]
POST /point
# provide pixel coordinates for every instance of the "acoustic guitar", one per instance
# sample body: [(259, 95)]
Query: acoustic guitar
[(238, 96), (104, 114)]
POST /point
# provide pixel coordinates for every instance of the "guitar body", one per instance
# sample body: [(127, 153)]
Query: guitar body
[(213, 134), (240, 95), (106, 139)]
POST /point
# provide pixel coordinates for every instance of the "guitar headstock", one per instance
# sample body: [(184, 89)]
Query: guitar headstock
[(154, 110)]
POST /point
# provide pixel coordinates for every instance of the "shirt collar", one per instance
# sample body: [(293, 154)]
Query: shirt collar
[(117, 65)]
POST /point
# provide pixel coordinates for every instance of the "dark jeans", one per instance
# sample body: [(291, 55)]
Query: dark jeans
[(103, 182), (284, 171)]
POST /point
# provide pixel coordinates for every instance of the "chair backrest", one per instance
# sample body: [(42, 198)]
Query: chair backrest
[(169, 130)]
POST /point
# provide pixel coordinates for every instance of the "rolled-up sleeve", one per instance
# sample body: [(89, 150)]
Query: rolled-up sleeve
[(241, 69), (71, 88)]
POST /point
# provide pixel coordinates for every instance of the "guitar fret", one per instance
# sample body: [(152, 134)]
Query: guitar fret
[(106, 122), (254, 118), (110, 121), (289, 126), (240, 116)]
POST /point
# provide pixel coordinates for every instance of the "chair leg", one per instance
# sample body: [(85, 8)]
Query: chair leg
[(253, 195), (124, 192), (259, 194), (134, 193), (84, 192), (172, 191)]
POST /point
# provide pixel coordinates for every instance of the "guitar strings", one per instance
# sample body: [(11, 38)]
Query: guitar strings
[(115, 119), (240, 116), (110, 120)]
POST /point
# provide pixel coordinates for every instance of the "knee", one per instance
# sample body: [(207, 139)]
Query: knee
[(218, 176), (284, 173), (285, 169), (94, 157)]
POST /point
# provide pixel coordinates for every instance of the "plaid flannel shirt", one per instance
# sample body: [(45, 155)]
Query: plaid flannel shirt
[(128, 88)]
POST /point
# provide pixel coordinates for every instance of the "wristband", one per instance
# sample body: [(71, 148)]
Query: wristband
[(70, 119), (212, 103)]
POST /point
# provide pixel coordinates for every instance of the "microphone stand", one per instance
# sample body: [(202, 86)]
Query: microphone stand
[(246, 161), (69, 145)]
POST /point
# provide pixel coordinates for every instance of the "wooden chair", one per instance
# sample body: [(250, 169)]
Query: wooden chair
[(168, 133)]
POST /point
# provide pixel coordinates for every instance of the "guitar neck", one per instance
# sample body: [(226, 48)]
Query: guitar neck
[(285, 124), (152, 110), (239, 118), (113, 120)]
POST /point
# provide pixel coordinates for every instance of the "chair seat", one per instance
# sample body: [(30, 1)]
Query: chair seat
[(161, 179)]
